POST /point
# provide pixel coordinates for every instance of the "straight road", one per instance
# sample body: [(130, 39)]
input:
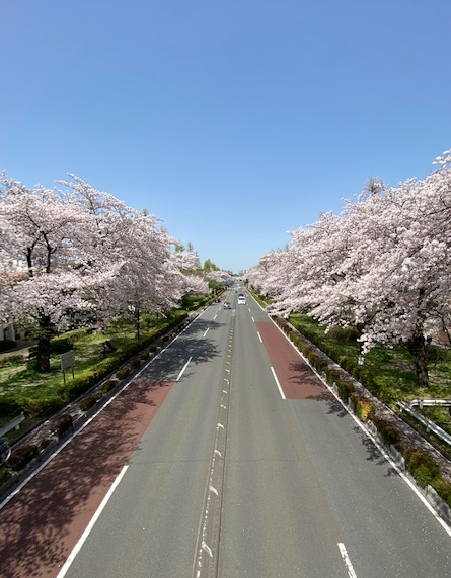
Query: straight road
[(235, 462)]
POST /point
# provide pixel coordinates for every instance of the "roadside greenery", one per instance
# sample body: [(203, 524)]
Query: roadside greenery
[(24, 389), (388, 373), (419, 461)]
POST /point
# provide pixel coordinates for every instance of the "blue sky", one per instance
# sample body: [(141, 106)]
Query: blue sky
[(235, 121)]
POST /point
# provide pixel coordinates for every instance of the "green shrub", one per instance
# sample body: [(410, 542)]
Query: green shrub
[(348, 363), (345, 388), (78, 334), (343, 334), (9, 406), (87, 402), (123, 373), (11, 360), (22, 456), (84, 381), (363, 407), (62, 424), (42, 406), (7, 344), (107, 386), (5, 475), (443, 488), (387, 394), (421, 465), (387, 430), (61, 345)]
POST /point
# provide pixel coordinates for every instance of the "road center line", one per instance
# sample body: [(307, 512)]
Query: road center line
[(183, 369)]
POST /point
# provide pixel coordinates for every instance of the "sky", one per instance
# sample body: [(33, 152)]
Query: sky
[(233, 122)]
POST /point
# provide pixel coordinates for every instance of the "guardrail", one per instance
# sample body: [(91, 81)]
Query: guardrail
[(430, 425), (430, 402), (14, 423)]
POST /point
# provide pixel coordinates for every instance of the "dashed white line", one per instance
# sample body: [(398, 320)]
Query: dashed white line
[(347, 560), (183, 369), (206, 331), (259, 337)]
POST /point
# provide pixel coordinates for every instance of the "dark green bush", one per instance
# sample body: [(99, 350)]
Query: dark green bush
[(443, 488), (421, 465), (42, 406), (78, 334), (348, 363), (107, 386), (123, 373), (345, 388), (87, 402), (9, 406), (61, 424), (83, 382), (5, 475), (387, 430), (343, 334), (61, 345), (7, 344), (22, 456), (11, 360)]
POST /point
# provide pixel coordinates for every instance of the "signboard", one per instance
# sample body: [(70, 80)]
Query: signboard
[(67, 361)]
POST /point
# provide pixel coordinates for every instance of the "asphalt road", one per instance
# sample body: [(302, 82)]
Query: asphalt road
[(236, 462)]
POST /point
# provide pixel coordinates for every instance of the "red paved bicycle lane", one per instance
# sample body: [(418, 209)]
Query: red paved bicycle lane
[(296, 378), (40, 526)]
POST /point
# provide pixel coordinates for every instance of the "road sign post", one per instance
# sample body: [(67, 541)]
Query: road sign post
[(67, 361)]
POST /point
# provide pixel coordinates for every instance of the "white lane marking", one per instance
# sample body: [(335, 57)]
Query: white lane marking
[(84, 536), (381, 448), (207, 549), (278, 384), (183, 369), (259, 337), (206, 331), (253, 320), (347, 560)]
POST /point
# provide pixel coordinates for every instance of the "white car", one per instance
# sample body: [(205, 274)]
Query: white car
[(241, 300)]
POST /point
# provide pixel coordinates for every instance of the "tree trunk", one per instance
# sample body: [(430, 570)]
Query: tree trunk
[(44, 338), (419, 351), (138, 323)]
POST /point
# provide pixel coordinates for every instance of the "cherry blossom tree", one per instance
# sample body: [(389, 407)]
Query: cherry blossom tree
[(81, 250), (38, 227), (383, 264)]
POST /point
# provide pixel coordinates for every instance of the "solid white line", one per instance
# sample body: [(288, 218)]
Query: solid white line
[(84, 536), (183, 369), (259, 337), (347, 560), (381, 449), (278, 384)]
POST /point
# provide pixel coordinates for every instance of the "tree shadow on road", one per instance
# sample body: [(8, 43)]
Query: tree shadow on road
[(308, 385), (37, 526)]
